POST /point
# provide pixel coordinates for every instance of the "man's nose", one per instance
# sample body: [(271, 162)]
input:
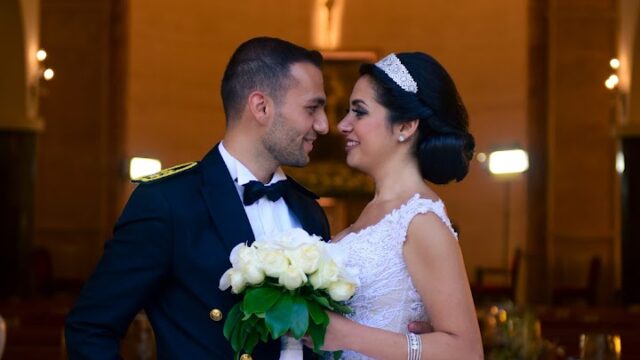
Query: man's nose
[(321, 124)]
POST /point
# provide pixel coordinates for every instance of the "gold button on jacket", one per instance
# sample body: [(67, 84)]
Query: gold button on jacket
[(215, 315)]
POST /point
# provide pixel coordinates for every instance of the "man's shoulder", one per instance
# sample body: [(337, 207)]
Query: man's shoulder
[(174, 172)]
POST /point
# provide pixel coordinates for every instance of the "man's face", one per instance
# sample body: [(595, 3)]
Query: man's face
[(299, 117)]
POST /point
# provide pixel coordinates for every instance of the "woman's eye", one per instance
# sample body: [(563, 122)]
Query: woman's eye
[(359, 113)]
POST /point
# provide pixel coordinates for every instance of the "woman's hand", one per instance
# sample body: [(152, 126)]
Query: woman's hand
[(420, 327), (337, 334)]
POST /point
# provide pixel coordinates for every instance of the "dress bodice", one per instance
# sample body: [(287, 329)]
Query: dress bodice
[(386, 297)]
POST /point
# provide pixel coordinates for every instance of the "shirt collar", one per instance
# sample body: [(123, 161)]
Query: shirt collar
[(240, 173)]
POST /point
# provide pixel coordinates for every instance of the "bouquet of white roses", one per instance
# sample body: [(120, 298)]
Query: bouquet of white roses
[(289, 281)]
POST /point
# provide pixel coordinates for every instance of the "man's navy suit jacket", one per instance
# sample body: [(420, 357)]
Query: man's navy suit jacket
[(169, 249)]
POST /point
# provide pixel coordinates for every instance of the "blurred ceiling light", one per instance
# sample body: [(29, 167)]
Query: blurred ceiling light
[(48, 74), (619, 162), (139, 167), (41, 55), (481, 157), (506, 162), (614, 63)]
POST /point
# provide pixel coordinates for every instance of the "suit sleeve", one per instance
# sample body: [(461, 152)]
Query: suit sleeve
[(133, 267)]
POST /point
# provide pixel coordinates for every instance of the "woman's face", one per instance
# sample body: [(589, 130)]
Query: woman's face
[(369, 135)]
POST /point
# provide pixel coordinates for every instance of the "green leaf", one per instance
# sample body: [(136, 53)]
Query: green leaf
[(299, 317), (278, 318), (259, 300), (236, 338), (233, 320), (337, 355), (263, 331), (340, 308), (322, 301), (318, 315), (252, 341), (317, 333), (245, 330)]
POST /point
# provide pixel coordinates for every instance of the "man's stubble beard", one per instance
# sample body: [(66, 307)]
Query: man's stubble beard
[(283, 144)]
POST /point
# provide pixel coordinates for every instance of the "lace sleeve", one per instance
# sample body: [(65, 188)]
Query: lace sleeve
[(418, 205)]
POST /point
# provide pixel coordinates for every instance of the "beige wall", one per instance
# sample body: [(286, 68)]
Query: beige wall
[(12, 68), (177, 54)]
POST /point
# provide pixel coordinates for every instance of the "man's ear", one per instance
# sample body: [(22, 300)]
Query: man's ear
[(260, 106)]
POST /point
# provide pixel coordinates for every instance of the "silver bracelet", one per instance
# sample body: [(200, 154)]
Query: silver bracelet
[(414, 346)]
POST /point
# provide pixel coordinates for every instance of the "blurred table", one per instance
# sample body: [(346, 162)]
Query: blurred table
[(563, 326)]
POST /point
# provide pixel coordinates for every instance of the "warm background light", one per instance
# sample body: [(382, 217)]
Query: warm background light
[(614, 63), (612, 82), (41, 55), (143, 166), (620, 162), (508, 162), (48, 74)]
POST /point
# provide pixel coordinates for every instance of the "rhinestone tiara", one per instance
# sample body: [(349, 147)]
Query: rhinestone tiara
[(392, 66)]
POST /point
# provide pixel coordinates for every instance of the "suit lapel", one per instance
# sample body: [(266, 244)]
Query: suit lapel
[(223, 202), (299, 205)]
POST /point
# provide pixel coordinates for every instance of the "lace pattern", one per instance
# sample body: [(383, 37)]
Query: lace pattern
[(386, 298)]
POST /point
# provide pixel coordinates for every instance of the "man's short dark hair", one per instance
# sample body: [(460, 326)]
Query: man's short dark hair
[(261, 63)]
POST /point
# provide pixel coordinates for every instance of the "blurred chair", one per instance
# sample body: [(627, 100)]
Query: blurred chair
[(586, 293), (490, 291), (3, 335)]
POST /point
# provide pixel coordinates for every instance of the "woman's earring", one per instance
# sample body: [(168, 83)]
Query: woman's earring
[(401, 138)]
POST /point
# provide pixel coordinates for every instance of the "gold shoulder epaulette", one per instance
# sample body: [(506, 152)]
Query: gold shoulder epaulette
[(165, 173)]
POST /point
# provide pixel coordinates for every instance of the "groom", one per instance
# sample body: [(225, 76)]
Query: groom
[(172, 242)]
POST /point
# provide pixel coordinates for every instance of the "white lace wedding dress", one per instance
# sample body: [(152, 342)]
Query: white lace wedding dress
[(386, 298)]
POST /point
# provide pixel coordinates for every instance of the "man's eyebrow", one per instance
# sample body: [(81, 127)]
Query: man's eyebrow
[(318, 101)]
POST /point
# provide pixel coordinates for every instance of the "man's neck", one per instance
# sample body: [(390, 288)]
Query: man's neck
[(261, 166)]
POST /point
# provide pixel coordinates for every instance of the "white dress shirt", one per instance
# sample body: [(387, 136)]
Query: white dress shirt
[(265, 217)]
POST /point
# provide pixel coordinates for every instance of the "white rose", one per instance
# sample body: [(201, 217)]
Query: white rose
[(288, 239), (326, 274), (292, 278), (341, 290), (307, 257), (233, 278), (336, 253), (273, 262), (225, 280), (242, 254), (253, 273)]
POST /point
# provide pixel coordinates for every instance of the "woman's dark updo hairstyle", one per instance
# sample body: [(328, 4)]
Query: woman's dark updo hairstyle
[(444, 145)]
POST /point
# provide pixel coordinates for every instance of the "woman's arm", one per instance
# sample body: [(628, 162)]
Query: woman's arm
[(435, 263)]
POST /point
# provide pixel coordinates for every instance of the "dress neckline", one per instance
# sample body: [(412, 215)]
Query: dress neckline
[(413, 198)]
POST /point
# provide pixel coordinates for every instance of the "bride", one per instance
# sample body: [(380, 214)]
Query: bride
[(406, 124)]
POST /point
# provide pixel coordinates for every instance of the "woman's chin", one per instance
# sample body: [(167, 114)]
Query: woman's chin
[(353, 163)]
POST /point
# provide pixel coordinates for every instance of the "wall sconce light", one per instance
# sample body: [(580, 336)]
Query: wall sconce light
[(508, 162), (139, 167), (620, 162)]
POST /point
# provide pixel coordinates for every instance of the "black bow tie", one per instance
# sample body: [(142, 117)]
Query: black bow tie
[(254, 190)]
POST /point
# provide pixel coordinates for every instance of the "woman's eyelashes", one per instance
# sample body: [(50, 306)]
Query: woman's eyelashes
[(359, 112)]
